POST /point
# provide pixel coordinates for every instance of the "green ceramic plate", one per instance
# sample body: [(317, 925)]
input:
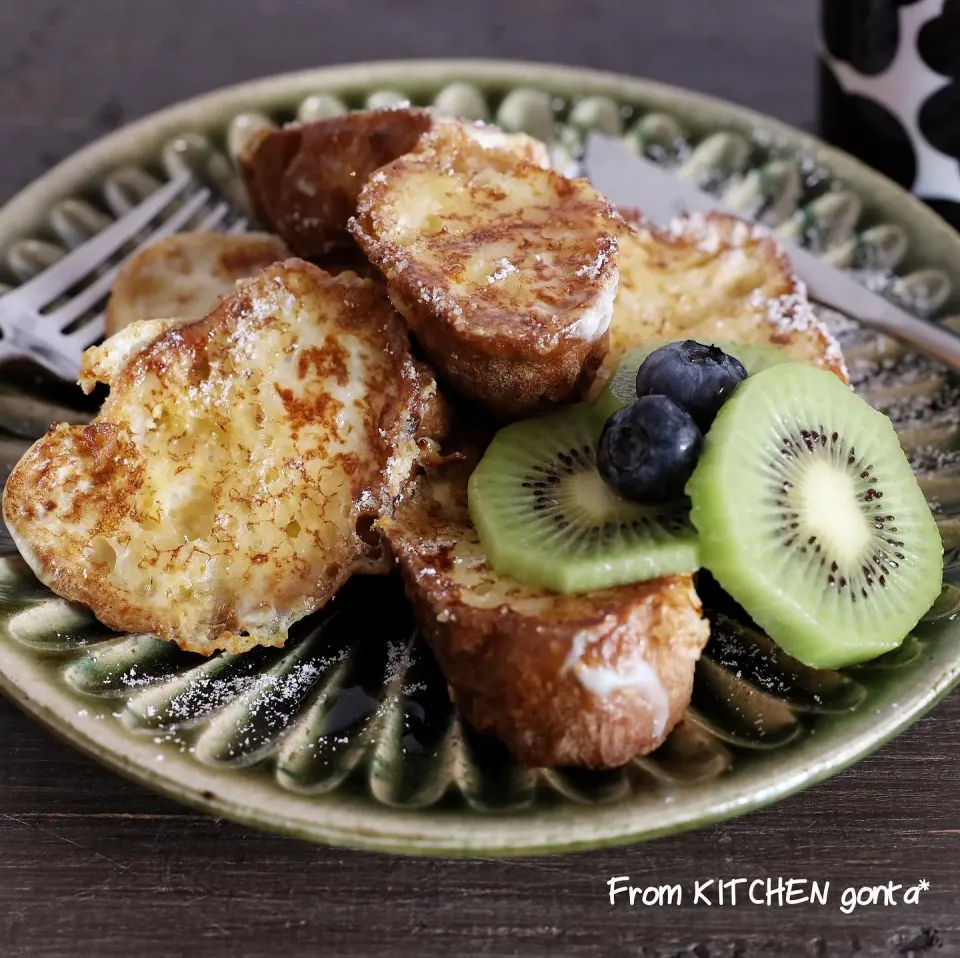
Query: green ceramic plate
[(347, 735)]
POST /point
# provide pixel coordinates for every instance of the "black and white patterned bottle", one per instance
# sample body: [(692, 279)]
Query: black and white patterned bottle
[(890, 91)]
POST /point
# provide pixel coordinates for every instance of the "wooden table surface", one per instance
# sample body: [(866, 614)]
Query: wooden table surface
[(93, 866)]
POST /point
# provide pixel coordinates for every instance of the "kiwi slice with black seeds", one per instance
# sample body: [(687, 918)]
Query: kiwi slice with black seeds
[(546, 517), (621, 390), (810, 517)]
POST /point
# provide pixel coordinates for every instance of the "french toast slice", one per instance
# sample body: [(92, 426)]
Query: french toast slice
[(591, 680), (230, 482), (187, 274), (713, 278), (303, 180), (506, 272)]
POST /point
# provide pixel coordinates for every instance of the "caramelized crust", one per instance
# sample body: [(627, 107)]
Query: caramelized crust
[(592, 680), (228, 485), (186, 275), (714, 278), (303, 180), (506, 272)]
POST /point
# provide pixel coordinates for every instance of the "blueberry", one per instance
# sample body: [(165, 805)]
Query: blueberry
[(648, 450), (697, 378)]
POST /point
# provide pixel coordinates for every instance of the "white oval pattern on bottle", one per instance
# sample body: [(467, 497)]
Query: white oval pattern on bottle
[(902, 88)]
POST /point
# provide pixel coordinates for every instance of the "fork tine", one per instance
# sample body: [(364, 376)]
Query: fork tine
[(239, 227), (88, 334), (62, 360), (100, 287), (53, 282), (214, 218), (96, 328)]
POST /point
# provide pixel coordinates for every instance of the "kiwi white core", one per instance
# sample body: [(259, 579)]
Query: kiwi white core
[(811, 518), (585, 495), (828, 501), (546, 518)]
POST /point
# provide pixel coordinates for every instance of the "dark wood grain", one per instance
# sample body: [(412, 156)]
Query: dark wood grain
[(91, 865)]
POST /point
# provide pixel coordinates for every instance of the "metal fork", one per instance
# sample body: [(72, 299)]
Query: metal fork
[(34, 323), (634, 181)]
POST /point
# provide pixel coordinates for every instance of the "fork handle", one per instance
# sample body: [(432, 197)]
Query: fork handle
[(925, 336), (838, 290), (928, 337)]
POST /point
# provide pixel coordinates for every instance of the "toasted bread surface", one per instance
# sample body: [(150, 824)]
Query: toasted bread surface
[(592, 680), (303, 180), (713, 278), (506, 272), (229, 484), (186, 275), (520, 145)]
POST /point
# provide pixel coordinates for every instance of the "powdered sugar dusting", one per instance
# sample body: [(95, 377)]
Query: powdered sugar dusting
[(713, 233), (504, 269), (793, 313), (437, 298), (790, 313), (594, 268)]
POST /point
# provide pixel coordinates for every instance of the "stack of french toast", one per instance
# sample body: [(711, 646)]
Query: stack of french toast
[(290, 408)]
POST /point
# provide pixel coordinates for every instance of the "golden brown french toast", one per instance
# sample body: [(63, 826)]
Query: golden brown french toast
[(229, 484), (505, 271), (714, 278), (592, 680), (303, 180), (187, 274), (514, 656)]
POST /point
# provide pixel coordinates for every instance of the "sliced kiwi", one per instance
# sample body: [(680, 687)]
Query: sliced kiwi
[(810, 517), (546, 518), (621, 390)]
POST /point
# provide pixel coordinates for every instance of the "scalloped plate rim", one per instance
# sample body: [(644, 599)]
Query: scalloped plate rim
[(564, 828), (272, 92), (203, 788)]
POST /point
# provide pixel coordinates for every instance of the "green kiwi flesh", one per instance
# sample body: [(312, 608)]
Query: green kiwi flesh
[(810, 517), (621, 390), (546, 518)]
